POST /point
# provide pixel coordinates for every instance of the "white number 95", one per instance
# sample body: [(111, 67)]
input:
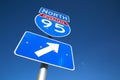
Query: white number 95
[(58, 27)]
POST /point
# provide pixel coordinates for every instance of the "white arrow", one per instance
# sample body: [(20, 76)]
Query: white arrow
[(52, 47)]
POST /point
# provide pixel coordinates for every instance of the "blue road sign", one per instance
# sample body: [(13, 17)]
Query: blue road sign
[(52, 26), (54, 14), (38, 48)]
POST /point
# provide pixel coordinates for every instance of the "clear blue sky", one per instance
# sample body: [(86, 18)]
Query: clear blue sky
[(95, 38)]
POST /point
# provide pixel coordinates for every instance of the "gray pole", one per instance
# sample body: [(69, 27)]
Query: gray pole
[(43, 72), (43, 69)]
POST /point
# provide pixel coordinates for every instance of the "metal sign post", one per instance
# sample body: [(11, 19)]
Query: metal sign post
[(43, 72), (43, 69)]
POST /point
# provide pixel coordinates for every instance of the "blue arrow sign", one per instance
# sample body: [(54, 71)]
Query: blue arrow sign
[(38, 48)]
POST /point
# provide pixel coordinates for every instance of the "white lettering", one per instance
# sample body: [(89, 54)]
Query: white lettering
[(50, 13), (65, 18), (44, 11), (60, 16), (54, 14)]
